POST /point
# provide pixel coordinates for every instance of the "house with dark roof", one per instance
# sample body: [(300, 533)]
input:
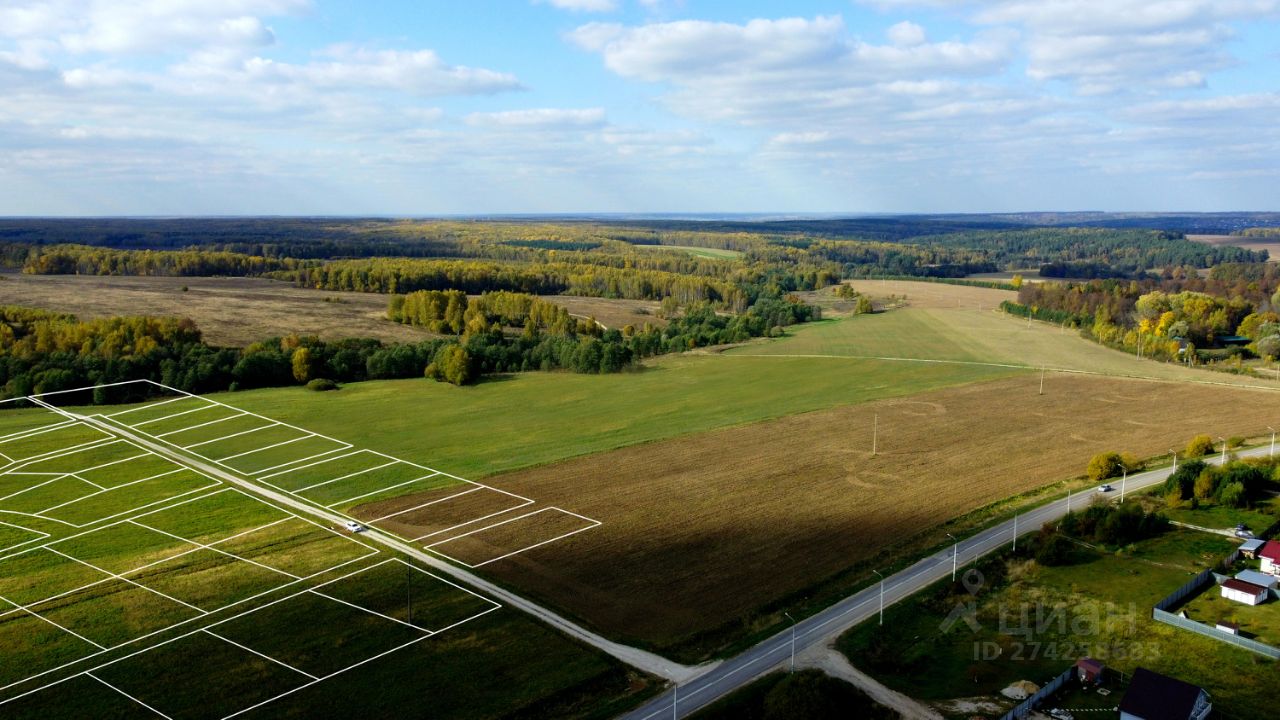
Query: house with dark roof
[(1243, 592), (1152, 696)]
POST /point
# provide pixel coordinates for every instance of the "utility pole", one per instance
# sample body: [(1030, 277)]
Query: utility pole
[(875, 434), (793, 640), (1042, 379), (1068, 500), (1175, 459), (1273, 440), (877, 572), (1224, 450), (955, 557), (1124, 479)]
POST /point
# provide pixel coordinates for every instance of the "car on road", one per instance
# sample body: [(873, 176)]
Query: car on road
[(1243, 531), (1060, 714), (353, 526), (1105, 488)]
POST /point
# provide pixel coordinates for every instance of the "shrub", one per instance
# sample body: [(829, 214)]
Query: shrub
[(1053, 550), (1235, 441), (1104, 465), (322, 385), (1199, 446)]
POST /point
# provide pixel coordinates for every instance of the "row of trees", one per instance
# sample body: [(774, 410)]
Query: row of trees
[(85, 260), (47, 352), (452, 312), (399, 275)]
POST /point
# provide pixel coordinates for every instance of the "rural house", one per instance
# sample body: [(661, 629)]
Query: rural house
[(1152, 696), (1250, 548), (1244, 592), (1270, 556), (1254, 577)]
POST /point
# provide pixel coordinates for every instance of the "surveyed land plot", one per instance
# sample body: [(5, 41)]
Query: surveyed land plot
[(424, 515), (300, 640), (511, 537)]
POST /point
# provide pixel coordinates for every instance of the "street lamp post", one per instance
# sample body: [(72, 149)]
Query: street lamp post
[(955, 557), (1124, 479), (1175, 459), (877, 572), (875, 434), (793, 640), (1273, 440), (1224, 450)]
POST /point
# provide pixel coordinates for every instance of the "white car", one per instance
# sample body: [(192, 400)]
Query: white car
[(1105, 488), (353, 526)]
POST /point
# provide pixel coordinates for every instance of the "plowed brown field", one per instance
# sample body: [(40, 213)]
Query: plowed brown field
[(708, 529)]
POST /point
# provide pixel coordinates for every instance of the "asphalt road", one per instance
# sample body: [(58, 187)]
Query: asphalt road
[(718, 681)]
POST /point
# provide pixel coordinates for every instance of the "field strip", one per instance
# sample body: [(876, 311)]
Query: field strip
[(55, 454), (313, 591), (35, 431), (268, 447), (170, 417), (43, 536), (256, 473), (261, 655), (218, 550), (227, 437), (38, 616), (592, 524), (127, 695), (313, 464), (141, 407), (477, 488), (125, 579), (1069, 371), (90, 495), (193, 427), (343, 477), (87, 482), (382, 490)]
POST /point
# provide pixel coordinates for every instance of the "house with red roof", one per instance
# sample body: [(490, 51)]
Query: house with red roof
[(1270, 556)]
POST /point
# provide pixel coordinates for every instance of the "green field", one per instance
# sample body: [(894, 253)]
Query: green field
[(156, 582), (537, 418), (1102, 603), (706, 252)]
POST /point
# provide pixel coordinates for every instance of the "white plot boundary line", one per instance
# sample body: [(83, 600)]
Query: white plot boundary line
[(256, 473), (140, 407), (19, 434), (195, 427), (591, 525), (117, 576), (170, 417), (220, 439), (264, 656), (425, 634), (222, 460), (38, 616), (334, 568), (362, 496), (271, 422), (344, 477), (521, 504), (113, 687), (43, 536)]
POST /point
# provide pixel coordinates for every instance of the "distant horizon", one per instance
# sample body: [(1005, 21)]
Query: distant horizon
[(304, 108), (707, 215)]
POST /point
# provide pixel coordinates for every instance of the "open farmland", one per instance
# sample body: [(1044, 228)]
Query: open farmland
[(134, 584), (1271, 245), (704, 530), (964, 324), (237, 311)]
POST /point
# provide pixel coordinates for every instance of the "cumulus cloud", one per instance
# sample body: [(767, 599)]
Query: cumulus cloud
[(1117, 45)]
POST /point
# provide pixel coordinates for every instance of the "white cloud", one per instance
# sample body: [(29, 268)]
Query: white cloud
[(906, 34), (540, 118)]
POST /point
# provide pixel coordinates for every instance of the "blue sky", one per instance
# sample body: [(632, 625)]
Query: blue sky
[(421, 107)]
